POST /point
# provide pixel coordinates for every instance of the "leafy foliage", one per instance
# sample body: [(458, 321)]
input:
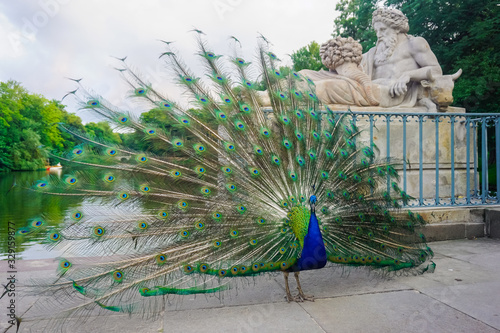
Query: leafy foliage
[(29, 129), (27, 123), (355, 21), (307, 57)]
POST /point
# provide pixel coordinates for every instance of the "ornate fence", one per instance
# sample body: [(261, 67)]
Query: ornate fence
[(448, 159)]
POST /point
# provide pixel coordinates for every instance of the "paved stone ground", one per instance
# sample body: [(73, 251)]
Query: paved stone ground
[(463, 295)]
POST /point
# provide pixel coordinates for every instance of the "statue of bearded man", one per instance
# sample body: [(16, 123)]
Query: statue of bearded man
[(399, 61), (393, 68)]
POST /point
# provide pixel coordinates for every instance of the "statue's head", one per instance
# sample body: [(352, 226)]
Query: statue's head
[(392, 18), (340, 50), (388, 24)]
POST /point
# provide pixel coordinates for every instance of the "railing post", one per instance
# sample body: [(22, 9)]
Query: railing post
[(420, 161), (476, 156), (371, 130), (354, 122), (388, 148), (371, 139), (437, 161), (484, 161), (467, 158), (404, 155), (497, 155), (452, 151)]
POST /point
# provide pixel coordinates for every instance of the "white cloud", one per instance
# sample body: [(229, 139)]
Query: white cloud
[(68, 38)]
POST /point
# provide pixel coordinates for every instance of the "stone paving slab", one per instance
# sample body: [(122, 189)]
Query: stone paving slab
[(402, 311), (477, 300), (461, 296), (267, 317)]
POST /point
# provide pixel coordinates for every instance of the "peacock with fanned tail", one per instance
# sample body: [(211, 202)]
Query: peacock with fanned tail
[(248, 192)]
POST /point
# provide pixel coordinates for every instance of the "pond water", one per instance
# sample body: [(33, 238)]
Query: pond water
[(18, 205)]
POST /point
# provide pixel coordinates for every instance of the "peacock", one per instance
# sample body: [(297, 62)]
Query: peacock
[(239, 191)]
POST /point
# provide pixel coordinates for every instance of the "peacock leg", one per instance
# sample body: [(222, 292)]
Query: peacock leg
[(301, 296), (289, 296)]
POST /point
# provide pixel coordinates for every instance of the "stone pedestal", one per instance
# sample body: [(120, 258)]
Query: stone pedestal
[(412, 156)]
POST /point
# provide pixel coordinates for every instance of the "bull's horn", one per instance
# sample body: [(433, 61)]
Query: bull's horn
[(429, 75), (457, 74)]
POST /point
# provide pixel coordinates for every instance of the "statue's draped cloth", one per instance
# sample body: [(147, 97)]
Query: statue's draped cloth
[(332, 88)]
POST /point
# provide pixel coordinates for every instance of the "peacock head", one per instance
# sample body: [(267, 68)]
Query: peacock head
[(312, 202), (313, 199)]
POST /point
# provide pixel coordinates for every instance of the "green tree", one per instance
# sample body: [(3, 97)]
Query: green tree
[(29, 127), (307, 57), (355, 21), (103, 131)]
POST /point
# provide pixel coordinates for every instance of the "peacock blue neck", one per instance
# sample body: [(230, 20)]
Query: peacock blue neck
[(313, 253)]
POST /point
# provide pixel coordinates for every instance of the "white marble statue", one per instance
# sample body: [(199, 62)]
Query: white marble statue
[(403, 70), (345, 82)]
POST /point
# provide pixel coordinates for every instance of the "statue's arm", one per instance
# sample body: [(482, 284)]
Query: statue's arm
[(425, 59)]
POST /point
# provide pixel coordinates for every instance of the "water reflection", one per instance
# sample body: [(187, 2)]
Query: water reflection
[(18, 205)]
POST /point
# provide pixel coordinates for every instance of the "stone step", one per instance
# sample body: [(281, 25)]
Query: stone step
[(447, 223)]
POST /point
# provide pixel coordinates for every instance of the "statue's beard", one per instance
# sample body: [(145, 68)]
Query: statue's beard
[(385, 48)]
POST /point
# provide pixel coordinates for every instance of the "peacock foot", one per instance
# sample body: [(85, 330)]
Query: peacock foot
[(309, 298), (301, 298)]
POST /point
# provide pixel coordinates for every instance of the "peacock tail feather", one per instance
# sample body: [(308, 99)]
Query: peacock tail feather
[(228, 199)]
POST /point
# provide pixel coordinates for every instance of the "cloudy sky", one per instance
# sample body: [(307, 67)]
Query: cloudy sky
[(42, 42)]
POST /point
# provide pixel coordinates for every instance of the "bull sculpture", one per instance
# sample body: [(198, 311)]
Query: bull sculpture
[(437, 91)]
